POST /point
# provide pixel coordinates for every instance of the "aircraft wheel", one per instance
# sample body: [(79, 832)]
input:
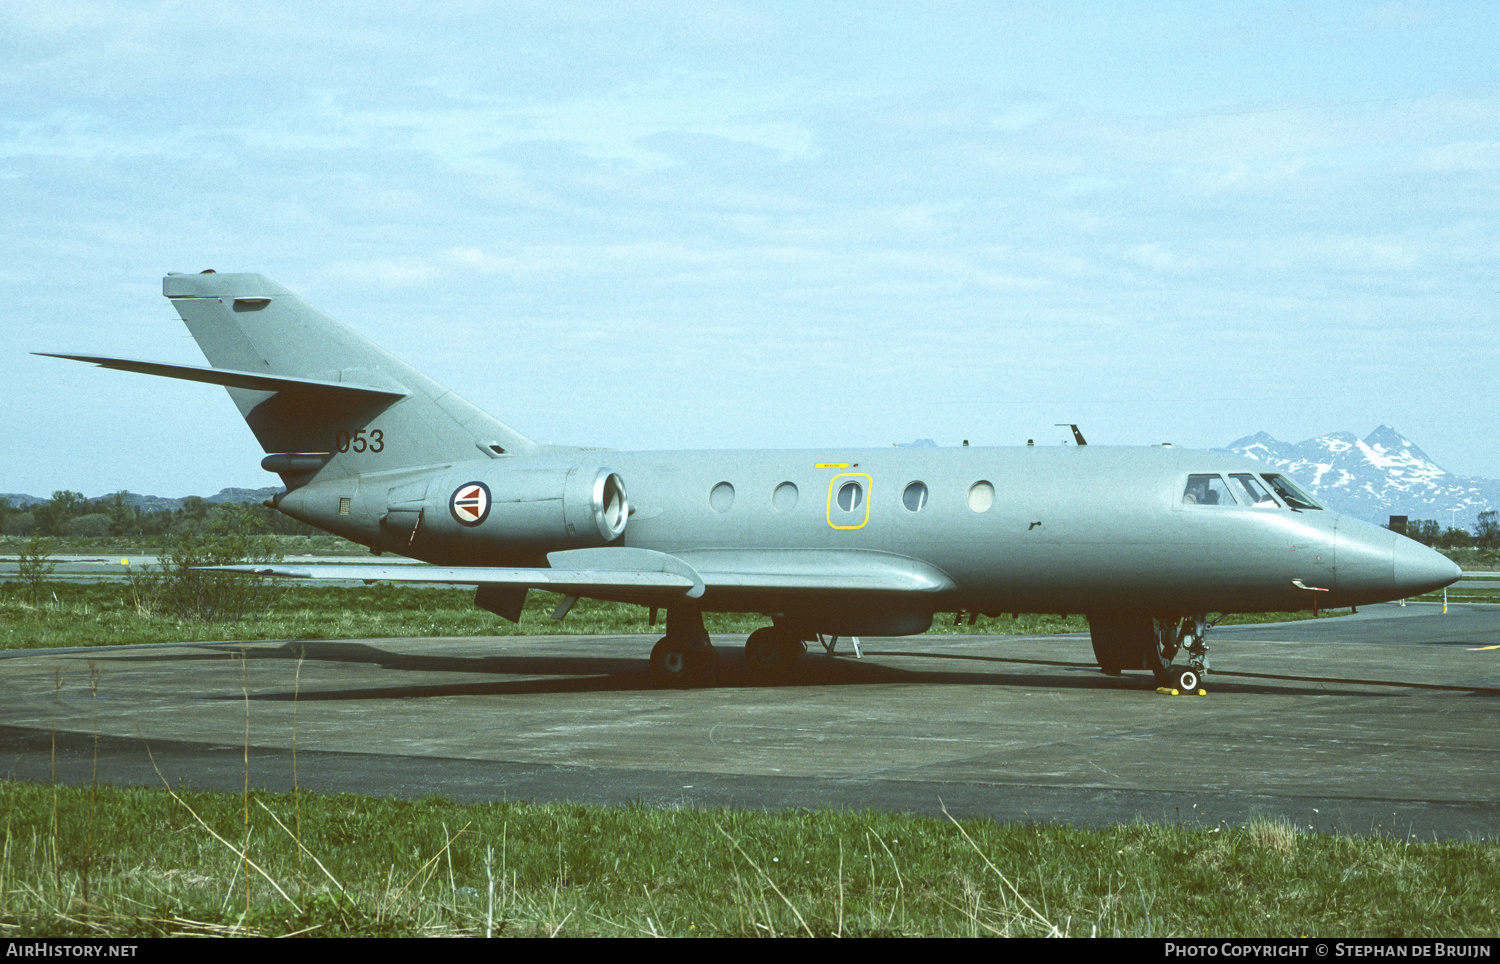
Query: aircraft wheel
[(679, 664), (771, 652), (1185, 679), (1162, 648), (1121, 640)]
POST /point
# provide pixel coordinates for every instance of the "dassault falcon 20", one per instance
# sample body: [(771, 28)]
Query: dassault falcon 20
[(1147, 542)]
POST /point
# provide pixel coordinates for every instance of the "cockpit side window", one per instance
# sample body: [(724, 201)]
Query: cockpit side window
[(1287, 490), (1252, 492), (1207, 490)]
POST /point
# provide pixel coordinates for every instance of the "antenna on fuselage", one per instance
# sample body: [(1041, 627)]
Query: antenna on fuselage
[(1077, 435)]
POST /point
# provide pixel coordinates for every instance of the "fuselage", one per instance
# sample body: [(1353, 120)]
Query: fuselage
[(1073, 529), (829, 542)]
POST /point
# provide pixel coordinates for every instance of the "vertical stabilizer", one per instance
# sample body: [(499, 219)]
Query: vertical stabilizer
[(248, 323)]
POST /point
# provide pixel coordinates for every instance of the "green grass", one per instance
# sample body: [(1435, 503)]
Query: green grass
[(1463, 595), (108, 614), (105, 861), (1474, 560), (132, 862), (322, 544)]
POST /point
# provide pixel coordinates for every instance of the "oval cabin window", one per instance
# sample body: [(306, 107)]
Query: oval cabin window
[(722, 497), (981, 496), (851, 494)]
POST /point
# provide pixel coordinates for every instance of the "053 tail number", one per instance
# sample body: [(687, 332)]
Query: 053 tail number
[(364, 440)]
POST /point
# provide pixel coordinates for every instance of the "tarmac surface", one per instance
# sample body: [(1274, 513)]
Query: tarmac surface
[(1382, 722)]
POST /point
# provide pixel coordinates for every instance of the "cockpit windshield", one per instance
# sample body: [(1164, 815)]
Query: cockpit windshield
[(1207, 490), (1252, 492), (1289, 493), (1246, 489)]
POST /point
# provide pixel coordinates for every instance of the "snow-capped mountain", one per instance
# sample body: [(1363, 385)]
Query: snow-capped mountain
[(1374, 478)]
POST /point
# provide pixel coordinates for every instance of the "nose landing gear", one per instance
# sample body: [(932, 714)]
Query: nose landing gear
[(1173, 648), (1178, 656), (1183, 679)]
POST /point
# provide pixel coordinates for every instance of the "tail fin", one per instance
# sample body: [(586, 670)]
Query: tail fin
[(389, 415)]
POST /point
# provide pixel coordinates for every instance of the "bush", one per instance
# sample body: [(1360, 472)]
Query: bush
[(35, 566), (93, 525), (232, 536), (20, 524)]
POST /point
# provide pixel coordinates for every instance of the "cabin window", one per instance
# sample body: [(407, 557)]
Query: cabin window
[(851, 494), (1288, 491), (1207, 490), (785, 497), (1252, 492), (914, 496), (849, 500), (981, 496), (722, 497)]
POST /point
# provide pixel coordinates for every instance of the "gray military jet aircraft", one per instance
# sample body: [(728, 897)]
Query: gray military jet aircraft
[(1147, 542)]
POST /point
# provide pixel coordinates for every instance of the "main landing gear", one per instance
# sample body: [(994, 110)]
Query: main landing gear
[(683, 655), (1174, 650), (772, 651)]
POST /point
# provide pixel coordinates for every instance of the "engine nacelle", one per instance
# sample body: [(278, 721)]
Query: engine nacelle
[(524, 508), (483, 512)]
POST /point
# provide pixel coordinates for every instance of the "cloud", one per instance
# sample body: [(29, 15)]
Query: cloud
[(1476, 156), (384, 272), (954, 206)]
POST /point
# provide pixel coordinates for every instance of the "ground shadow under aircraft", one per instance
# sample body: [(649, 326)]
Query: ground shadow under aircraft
[(562, 674)]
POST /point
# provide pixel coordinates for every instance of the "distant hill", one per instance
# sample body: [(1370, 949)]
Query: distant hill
[(1374, 478), (157, 503)]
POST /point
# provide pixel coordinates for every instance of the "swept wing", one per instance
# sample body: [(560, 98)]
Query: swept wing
[(737, 578)]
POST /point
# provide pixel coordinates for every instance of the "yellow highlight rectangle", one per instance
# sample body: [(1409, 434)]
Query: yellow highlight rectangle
[(865, 498), (831, 465)]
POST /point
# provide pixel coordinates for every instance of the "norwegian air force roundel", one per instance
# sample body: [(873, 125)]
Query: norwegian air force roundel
[(470, 503)]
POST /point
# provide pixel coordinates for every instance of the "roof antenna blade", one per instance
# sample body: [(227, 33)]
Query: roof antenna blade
[(1077, 435)]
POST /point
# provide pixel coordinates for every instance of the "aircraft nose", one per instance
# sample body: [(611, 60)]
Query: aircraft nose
[(1376, 565), (1419, 569)]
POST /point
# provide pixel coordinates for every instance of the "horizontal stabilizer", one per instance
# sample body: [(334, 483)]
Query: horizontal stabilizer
[(362, 394)]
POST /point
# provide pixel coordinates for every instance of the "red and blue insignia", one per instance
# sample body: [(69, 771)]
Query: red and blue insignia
[(470, 503)]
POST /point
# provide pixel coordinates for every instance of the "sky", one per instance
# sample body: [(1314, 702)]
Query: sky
[(751, 225)]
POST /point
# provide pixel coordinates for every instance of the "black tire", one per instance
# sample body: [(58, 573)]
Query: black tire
[(1121, 640), (1185, 678), (771, 652), (675, 663), (763, 652), (1161, 650)]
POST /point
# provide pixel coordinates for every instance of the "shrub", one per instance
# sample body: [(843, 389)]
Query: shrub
[(35, 567), (231, 536), (93, 525)]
